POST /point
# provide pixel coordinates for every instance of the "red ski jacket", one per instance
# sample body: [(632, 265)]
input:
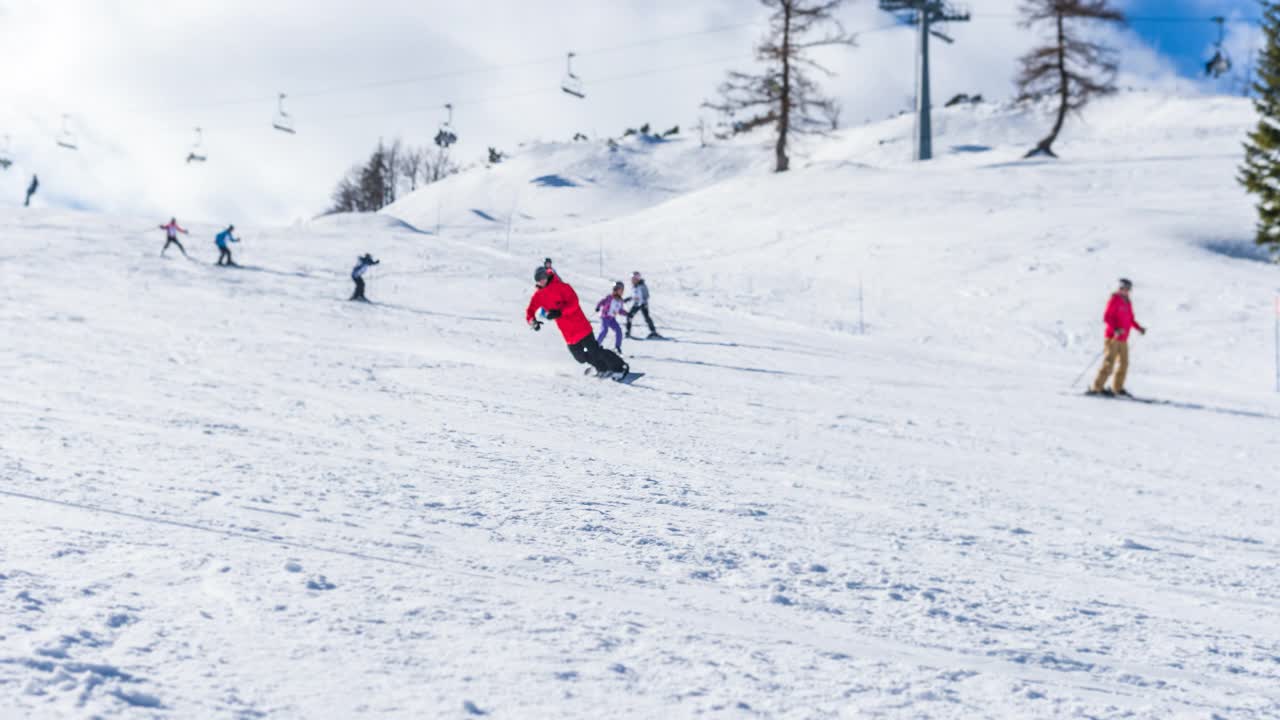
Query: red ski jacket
[(558, 295), (1119, 318)]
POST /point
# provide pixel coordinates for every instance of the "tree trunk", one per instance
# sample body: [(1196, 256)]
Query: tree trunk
[(1045, 147), (784, 115)]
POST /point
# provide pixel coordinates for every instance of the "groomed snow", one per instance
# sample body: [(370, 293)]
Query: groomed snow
[(231, 493)]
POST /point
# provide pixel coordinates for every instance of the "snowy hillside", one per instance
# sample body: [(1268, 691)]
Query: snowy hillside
[(977, 249), (231, 493), (545, 187)]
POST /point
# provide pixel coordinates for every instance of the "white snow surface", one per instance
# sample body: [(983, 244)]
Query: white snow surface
[(229, 493)]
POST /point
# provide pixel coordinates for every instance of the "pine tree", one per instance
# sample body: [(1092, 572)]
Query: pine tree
[(1067, 66), (784, 94), (1260, 173)]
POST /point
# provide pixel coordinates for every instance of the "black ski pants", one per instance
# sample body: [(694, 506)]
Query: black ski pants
[(359, 293), (588, 350), (172, 241), (224, 256), (644, 309)]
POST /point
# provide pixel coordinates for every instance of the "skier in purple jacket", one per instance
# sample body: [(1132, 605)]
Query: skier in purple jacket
[(610, 307)]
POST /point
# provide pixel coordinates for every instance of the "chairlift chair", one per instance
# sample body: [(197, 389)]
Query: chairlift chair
[(65, 138), (197, 154), (572, 84), (6, 157), (446, 136), (283, 121), (1220, 63)]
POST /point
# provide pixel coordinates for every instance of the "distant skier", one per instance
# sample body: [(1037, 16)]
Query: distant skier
[(366, 261), (640, 304), (224, 252), (31, 190), (1120, 320), (557, 301), (610, 307), (171, 236), (546, 263)]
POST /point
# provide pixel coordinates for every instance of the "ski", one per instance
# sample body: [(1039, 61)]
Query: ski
[(1126, 398)]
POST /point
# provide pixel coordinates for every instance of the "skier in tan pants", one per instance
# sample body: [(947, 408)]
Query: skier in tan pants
[(1120, 320)]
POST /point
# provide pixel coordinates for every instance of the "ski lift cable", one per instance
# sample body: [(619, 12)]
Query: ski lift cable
[(596, 82), (332, 90), (488, 99), (540, 91), (1136, 18), (530, 62)]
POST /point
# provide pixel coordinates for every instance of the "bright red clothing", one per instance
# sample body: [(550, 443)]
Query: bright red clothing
[(1119, 318), (558, 295)]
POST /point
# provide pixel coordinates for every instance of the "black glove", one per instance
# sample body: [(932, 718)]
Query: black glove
[(536, 325), (552, 314)]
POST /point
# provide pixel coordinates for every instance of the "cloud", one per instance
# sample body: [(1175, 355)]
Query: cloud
[(138, 76)]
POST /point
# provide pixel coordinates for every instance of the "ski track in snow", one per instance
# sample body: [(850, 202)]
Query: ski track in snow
[(229, 494)]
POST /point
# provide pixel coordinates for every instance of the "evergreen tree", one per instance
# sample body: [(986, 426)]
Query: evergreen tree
[(1260, 173)]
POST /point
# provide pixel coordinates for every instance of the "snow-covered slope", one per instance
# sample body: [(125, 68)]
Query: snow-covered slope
[(974, 251), (545, 187), (230, 493)]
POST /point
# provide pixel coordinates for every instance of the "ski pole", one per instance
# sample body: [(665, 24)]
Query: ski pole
[(1095, 359)]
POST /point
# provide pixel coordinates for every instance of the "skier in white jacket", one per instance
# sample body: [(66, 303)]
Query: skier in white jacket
[(640, 304)]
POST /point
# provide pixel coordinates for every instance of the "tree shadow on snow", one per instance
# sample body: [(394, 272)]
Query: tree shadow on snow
[(739, 368), (1219, 410), (433, 313), (268, 271), (1239, 250), (747, 346), (555, 181)]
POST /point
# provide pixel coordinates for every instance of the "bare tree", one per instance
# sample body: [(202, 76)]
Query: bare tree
[(831, 114), (346, 196), (413, 161), (439, 167), (785, 94), (1068, 66), (377, 182), (391, 165)]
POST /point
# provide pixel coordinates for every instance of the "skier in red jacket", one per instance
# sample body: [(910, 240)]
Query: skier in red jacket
[(1120, 320), (557, 301)]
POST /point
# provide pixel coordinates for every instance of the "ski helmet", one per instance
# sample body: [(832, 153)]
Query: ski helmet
[(619, 286), (1126, 283), (540, 274)]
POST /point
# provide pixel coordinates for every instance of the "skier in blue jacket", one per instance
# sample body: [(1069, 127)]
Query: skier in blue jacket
[(224, 253), (366, 261)]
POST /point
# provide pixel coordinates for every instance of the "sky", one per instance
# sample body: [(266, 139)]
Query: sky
[(135, 77)]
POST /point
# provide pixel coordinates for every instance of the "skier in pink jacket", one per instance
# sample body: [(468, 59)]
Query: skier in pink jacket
[(610, 308), (1119, 320), (171, 230)]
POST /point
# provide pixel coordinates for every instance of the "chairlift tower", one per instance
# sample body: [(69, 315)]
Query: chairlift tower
[(925, 13)]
